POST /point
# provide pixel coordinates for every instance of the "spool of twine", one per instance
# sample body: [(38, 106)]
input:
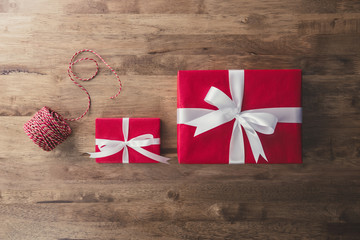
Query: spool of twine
[(48, 128)]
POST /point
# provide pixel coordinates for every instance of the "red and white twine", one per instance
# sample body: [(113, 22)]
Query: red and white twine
[(72, 76), (48, 128)]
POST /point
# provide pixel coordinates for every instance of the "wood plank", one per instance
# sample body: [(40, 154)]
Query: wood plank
[(176, 212), (179, 6), (178, 230), (127, 213), (170, 64), (186, 45), (239, 44), (144, 24)]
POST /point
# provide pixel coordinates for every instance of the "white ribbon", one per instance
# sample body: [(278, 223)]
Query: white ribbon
[(257, 120), (110, 147)]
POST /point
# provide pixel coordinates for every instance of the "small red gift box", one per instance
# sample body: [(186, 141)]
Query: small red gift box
[(239, 116), (127, 140)]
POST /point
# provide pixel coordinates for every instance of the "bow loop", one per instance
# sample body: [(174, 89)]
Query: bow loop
[(219, 99), (226, 112), (260, 122), (107, 147), (143, 141)]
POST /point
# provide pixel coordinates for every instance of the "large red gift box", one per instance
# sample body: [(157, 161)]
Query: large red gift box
[(239, 116), (139, 137)]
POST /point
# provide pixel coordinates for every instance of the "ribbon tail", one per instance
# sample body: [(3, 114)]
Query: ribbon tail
[(255, 144), (125, 157), (99, 154), (151, 155), (106, 151), (237, 150), (261, 122)]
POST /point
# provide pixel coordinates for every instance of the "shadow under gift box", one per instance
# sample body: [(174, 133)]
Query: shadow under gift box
[(262, 89)]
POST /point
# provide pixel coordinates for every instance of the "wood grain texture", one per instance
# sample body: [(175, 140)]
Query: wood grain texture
[(64, 195)]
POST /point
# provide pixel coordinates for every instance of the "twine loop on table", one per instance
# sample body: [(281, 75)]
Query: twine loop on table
[(72, 75), (48, 128)]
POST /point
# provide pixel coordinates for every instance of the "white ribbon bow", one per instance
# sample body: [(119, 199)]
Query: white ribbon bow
[(110, 147), (257, 120)]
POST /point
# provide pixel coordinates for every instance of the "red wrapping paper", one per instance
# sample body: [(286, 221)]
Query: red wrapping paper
[(262, 89), (111, 129)]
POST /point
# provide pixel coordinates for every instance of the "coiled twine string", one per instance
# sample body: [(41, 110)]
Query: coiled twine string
[(48, 128)]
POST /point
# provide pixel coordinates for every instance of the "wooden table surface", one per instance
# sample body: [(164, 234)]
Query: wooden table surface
[(65, 195)]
